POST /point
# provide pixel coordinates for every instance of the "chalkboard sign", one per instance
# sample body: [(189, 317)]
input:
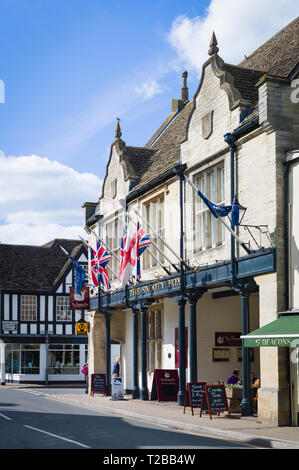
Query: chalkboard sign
[(193, 395), (165, 385), (98, 383), (214, 397)]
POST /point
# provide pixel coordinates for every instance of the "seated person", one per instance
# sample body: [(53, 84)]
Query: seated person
[(234, 378), (252, 378)]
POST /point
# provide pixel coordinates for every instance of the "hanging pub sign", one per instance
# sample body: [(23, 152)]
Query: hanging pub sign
[(79, 301), (98, 384), (165, 385), (81, 327), (193, 395), (214, 399)]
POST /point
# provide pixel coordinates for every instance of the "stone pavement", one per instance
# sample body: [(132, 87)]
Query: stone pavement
[(249, 430)]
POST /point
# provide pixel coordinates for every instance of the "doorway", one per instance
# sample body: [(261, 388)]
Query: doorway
[(115, 351)]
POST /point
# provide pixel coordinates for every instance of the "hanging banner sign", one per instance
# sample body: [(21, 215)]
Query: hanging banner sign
[(79, 301), (165, 385)]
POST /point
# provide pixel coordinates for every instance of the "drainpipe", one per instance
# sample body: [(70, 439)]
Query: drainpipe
[(179, 169), (242, 288), (287, 164)]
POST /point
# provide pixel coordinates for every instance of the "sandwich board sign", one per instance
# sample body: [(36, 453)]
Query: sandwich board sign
[(194, 395), (117, 390), (214, 397), (98, 384), (165, 385)]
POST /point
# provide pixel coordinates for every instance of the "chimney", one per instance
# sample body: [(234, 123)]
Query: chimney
[(184, 91), (177, 105)]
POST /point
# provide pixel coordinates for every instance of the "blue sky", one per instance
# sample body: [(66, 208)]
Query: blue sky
[(71, 67), (64, 62)]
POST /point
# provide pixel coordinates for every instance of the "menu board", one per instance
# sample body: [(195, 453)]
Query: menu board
[(214, 397), (193, 395)]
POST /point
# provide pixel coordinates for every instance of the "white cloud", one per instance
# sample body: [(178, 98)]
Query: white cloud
[(148, 89), (22, 234), (240, 27), (41, 199)]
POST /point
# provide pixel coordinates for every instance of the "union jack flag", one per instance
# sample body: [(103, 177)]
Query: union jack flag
[(143, 242), (98, 262)]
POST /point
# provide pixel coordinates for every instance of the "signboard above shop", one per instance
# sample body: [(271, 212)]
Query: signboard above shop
[(9, 325), (228, 339)]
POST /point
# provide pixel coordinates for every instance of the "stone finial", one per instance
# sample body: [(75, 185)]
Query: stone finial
[(118, 133), (213, 45), (184, 91)]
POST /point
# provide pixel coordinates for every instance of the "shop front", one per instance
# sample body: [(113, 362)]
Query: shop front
[(282, 333), (43, 363)]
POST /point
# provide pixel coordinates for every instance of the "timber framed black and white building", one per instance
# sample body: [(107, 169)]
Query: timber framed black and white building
[(37, 337)]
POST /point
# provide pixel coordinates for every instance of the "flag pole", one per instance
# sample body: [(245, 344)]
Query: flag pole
[(221, 220), (156, 246), (160, 238), (88, 246), (148, 249)]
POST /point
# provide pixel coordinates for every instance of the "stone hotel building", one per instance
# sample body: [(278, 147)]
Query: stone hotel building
[(207, 302)]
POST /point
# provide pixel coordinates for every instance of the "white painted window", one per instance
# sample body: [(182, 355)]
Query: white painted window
[(208, 231), (63, 312), (113, 230), (28, 308), (153, 212)]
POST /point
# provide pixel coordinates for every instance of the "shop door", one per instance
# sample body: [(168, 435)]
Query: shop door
[(294, 370)]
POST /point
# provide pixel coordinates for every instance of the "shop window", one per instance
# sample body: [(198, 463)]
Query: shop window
[(64, 359), (153, 212), (28, 308), (208, 231), (22, 359), (154, 339), (63, 312)]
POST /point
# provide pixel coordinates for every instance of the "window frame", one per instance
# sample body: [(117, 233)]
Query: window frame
[(27, 313), (59, 312), (208, 231), (153, 211)]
